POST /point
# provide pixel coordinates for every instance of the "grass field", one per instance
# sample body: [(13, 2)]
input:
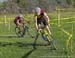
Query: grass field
[(13, 47)]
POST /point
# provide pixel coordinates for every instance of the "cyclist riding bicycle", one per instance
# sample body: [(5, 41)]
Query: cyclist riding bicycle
[(41, 17), (19, 21), (21, 24)]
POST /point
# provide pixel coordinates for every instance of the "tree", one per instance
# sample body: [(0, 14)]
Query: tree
[(69, 2)]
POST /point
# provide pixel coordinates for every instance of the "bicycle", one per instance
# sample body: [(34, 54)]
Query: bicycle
[(46, 37), (25, 28)]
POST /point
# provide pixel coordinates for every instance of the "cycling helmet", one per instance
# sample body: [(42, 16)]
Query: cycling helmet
[(20, 15), (37, 10)]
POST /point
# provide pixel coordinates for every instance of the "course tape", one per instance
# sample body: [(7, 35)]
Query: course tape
[(3, 22), (63, 18), (68, 39)]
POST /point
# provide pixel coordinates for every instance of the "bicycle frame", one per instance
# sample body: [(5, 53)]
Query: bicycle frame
[(45, 35), (20, 34), (25, 29)]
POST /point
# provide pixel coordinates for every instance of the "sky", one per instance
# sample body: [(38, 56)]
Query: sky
[(2, 0)]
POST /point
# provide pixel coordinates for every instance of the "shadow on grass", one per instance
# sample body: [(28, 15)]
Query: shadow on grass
[(19, 44), (8, 36), (28, 53)]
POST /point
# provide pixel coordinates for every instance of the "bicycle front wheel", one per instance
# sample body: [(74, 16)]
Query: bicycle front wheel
[(49, 39)]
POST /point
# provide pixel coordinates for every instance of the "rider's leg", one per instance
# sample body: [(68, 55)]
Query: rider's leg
[(20, 27), (48, 30), (50, 40), (46, 24)]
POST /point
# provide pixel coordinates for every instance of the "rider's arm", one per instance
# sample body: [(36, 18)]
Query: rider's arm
[(18, 22), (22, 19), (36, 22), (47, 18)]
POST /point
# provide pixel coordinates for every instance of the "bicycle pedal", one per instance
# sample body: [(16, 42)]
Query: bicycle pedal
[(53, 48), (49, 43), (32, 36)]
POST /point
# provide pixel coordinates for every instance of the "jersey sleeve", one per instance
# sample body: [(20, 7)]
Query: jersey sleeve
[(45, 14), (47, 17)]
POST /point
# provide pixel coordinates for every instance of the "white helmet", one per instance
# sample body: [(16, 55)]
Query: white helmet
[(37, 10), (20, 15)]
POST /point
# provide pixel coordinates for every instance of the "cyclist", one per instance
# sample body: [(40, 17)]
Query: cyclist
[(41, 17), (19, 21)]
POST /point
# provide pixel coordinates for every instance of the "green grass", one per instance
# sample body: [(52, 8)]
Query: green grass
[(13, 47)]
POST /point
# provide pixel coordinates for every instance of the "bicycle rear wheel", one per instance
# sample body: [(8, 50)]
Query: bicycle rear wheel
[(19, 34)]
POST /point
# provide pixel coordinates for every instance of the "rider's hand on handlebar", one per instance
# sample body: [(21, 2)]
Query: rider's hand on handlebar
[(39, 30)]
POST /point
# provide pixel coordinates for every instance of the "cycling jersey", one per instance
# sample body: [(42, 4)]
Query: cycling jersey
[(41, 14), (17, 19)]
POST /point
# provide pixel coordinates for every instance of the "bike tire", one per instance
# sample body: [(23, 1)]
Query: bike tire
[(50, 39), (19, 34)]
